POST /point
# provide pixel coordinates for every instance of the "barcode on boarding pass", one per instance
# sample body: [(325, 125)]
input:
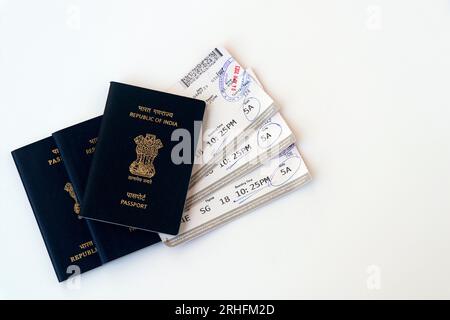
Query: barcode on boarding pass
[(201, 68)]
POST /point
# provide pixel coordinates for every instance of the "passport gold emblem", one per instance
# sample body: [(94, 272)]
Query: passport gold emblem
[(69, 188), (147, 148)]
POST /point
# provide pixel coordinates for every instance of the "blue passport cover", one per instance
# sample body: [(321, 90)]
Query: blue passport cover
[(133, 180), (67, 238), (77, 145)]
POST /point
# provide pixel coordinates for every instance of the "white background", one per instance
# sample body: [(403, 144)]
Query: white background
[(365, 86)]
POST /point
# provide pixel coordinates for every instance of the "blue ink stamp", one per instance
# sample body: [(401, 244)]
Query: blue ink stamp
[(234, 81), (269, 134), (251, 108), (285, 171)]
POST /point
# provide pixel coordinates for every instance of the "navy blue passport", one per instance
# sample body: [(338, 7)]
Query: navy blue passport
[(77, 145), (67, 238), (141, 168)]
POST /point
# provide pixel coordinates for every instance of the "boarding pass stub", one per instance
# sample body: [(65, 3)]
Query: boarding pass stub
[(271, 138), (234, 101), (280, 171)]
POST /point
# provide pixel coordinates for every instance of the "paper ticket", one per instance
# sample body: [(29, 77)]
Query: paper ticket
[(277, 176), (266, 142), (235, 105)]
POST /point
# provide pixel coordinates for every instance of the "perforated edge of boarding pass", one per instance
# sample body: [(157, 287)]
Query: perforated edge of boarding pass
[(235, 213)]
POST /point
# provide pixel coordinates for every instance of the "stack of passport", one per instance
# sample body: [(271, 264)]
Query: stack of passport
[(159, 166)]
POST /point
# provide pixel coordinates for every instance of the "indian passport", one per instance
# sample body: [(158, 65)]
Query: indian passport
[(77, 145), (67, 238), (143, 159)]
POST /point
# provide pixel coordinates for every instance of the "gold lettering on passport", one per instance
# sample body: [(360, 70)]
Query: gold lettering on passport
[(56, 159), (91, 249), (147, 148), (130, 201), (154, 115), (145, 109), (69, 188), (86, 245), (139, 179), (91, 149)]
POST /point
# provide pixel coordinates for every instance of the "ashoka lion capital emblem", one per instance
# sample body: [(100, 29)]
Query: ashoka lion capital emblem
[(147, 148), (69, 188)]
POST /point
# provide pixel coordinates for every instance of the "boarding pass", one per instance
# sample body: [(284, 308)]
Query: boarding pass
[(235, 104), (281, 174), (265, 142)]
